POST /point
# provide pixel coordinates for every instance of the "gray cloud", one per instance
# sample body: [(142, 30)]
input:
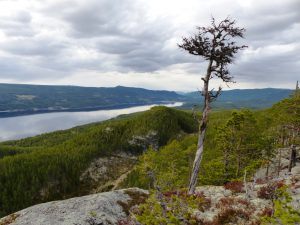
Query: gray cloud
[(100, 18), (61, 38), (18, 24), (33, 47), (271, 65), (122, 28)]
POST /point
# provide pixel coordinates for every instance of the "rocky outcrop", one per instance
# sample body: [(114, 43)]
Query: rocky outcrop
[(103, 174), (278, 166), (104, 208), (256, 201), (278, 170), (293, 181)]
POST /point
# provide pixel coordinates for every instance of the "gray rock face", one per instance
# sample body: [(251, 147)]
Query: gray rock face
[(97, 209), (279, 165), (104, 171), (296, 170)]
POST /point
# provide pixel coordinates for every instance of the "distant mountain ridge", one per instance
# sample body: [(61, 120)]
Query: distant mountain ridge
[(23, 99), (244, 98), (19, 99)]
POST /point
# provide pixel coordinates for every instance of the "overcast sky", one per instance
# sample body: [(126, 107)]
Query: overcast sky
[(134, 42)]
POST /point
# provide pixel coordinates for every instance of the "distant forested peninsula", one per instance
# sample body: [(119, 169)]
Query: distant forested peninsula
[(19, 99)]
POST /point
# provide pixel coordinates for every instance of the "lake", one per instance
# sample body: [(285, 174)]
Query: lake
[(26, 126)]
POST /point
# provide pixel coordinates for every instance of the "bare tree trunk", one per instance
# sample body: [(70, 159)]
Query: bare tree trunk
[(293, 157), (238, 158), (202, 130), (238, 166), (226, 163), (267, 171), (199, 153), (245, 184), (279, 163)]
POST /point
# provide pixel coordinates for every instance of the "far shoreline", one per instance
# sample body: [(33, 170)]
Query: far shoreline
[(8, 114)]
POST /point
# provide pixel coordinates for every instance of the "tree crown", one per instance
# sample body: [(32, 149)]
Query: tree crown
[(215, 43)]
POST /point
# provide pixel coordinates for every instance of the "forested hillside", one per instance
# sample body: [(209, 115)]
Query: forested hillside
[(236, 142), (49, 166)]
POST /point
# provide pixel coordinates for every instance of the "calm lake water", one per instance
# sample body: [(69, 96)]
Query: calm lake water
[(31, 125)]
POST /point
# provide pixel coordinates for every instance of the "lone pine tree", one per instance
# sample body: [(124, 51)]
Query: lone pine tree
[(216, 45)]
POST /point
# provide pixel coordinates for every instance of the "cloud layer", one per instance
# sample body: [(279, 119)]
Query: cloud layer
[(134, 42)]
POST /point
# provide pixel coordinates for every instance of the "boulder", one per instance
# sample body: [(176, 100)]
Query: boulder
[(103, 208)]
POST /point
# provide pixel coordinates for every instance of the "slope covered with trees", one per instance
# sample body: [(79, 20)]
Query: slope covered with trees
[(49, 166), (236, 142), (239, 144)]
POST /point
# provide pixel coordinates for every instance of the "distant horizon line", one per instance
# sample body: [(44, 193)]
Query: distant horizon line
[(72, 85)]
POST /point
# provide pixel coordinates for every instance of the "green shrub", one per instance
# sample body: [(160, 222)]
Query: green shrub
[(178, 209), (283, 212)]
